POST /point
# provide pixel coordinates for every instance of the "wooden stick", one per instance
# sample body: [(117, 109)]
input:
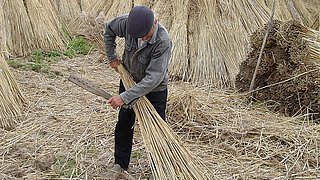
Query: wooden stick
[(262, 47)]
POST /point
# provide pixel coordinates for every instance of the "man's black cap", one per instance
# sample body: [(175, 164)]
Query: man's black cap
[(140, 21)]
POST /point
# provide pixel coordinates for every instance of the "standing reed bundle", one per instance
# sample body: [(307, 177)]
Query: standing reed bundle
[(178, 33), (3, 45), (281, 10), (193, 34), (19, 34), (11, 98), (208, 65), (303, 12), (99, 6), (85, 4), (46, 27), (69, 9), (81, 24), (216, 60), (168, 158), (163, 12)]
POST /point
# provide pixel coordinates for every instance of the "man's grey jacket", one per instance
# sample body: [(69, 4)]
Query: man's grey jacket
[(147, 63)]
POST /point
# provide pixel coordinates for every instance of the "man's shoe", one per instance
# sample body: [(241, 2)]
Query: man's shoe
[(115, 172)]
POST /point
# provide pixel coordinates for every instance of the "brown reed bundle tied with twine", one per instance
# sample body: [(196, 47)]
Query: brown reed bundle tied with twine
[(168, 158)]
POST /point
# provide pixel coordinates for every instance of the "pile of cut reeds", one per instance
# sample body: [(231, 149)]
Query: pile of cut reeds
[(168, 158), (289, 72), (47, 29), (243, 141)]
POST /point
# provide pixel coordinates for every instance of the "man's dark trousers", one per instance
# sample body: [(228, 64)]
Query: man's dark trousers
[(124, 127)]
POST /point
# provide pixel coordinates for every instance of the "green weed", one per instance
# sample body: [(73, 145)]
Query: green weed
[(78, 46)]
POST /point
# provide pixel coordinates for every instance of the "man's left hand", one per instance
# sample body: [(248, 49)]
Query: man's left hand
[(116, 102)]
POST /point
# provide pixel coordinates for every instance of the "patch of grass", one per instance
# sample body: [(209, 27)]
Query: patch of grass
[(15, 63), (77, 46), (64, 167), (136, 154), (40, 60)]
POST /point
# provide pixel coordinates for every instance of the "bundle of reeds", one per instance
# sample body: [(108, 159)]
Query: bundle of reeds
[(281, 9), (168, 158), (80, 24), (11, 98), (47, 28), (303, 12), (85, 4), (163, 12), (203, 68), (69, 10), (193, 33), (19, 34), (3, 46), (179, 61), (216, 60)]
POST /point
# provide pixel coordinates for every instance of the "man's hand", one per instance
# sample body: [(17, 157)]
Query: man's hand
[(116, 102), (115, 63)]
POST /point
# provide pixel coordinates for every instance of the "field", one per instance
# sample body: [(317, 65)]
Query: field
[(67, 133)]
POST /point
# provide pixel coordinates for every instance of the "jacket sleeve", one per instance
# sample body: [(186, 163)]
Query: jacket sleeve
[(155, 73), (115, 27)]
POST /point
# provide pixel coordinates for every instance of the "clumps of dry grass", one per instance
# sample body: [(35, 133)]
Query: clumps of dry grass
[(237, 140), (168, 158)]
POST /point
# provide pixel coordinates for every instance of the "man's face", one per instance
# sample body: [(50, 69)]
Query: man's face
[(149, 35)]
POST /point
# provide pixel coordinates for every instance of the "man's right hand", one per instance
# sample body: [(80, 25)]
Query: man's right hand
[(115, 63)]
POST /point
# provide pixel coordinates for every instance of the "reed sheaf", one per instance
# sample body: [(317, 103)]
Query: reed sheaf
[(11, 97), (168, 158)]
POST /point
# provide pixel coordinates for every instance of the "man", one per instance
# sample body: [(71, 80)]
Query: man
[(146, 56)]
